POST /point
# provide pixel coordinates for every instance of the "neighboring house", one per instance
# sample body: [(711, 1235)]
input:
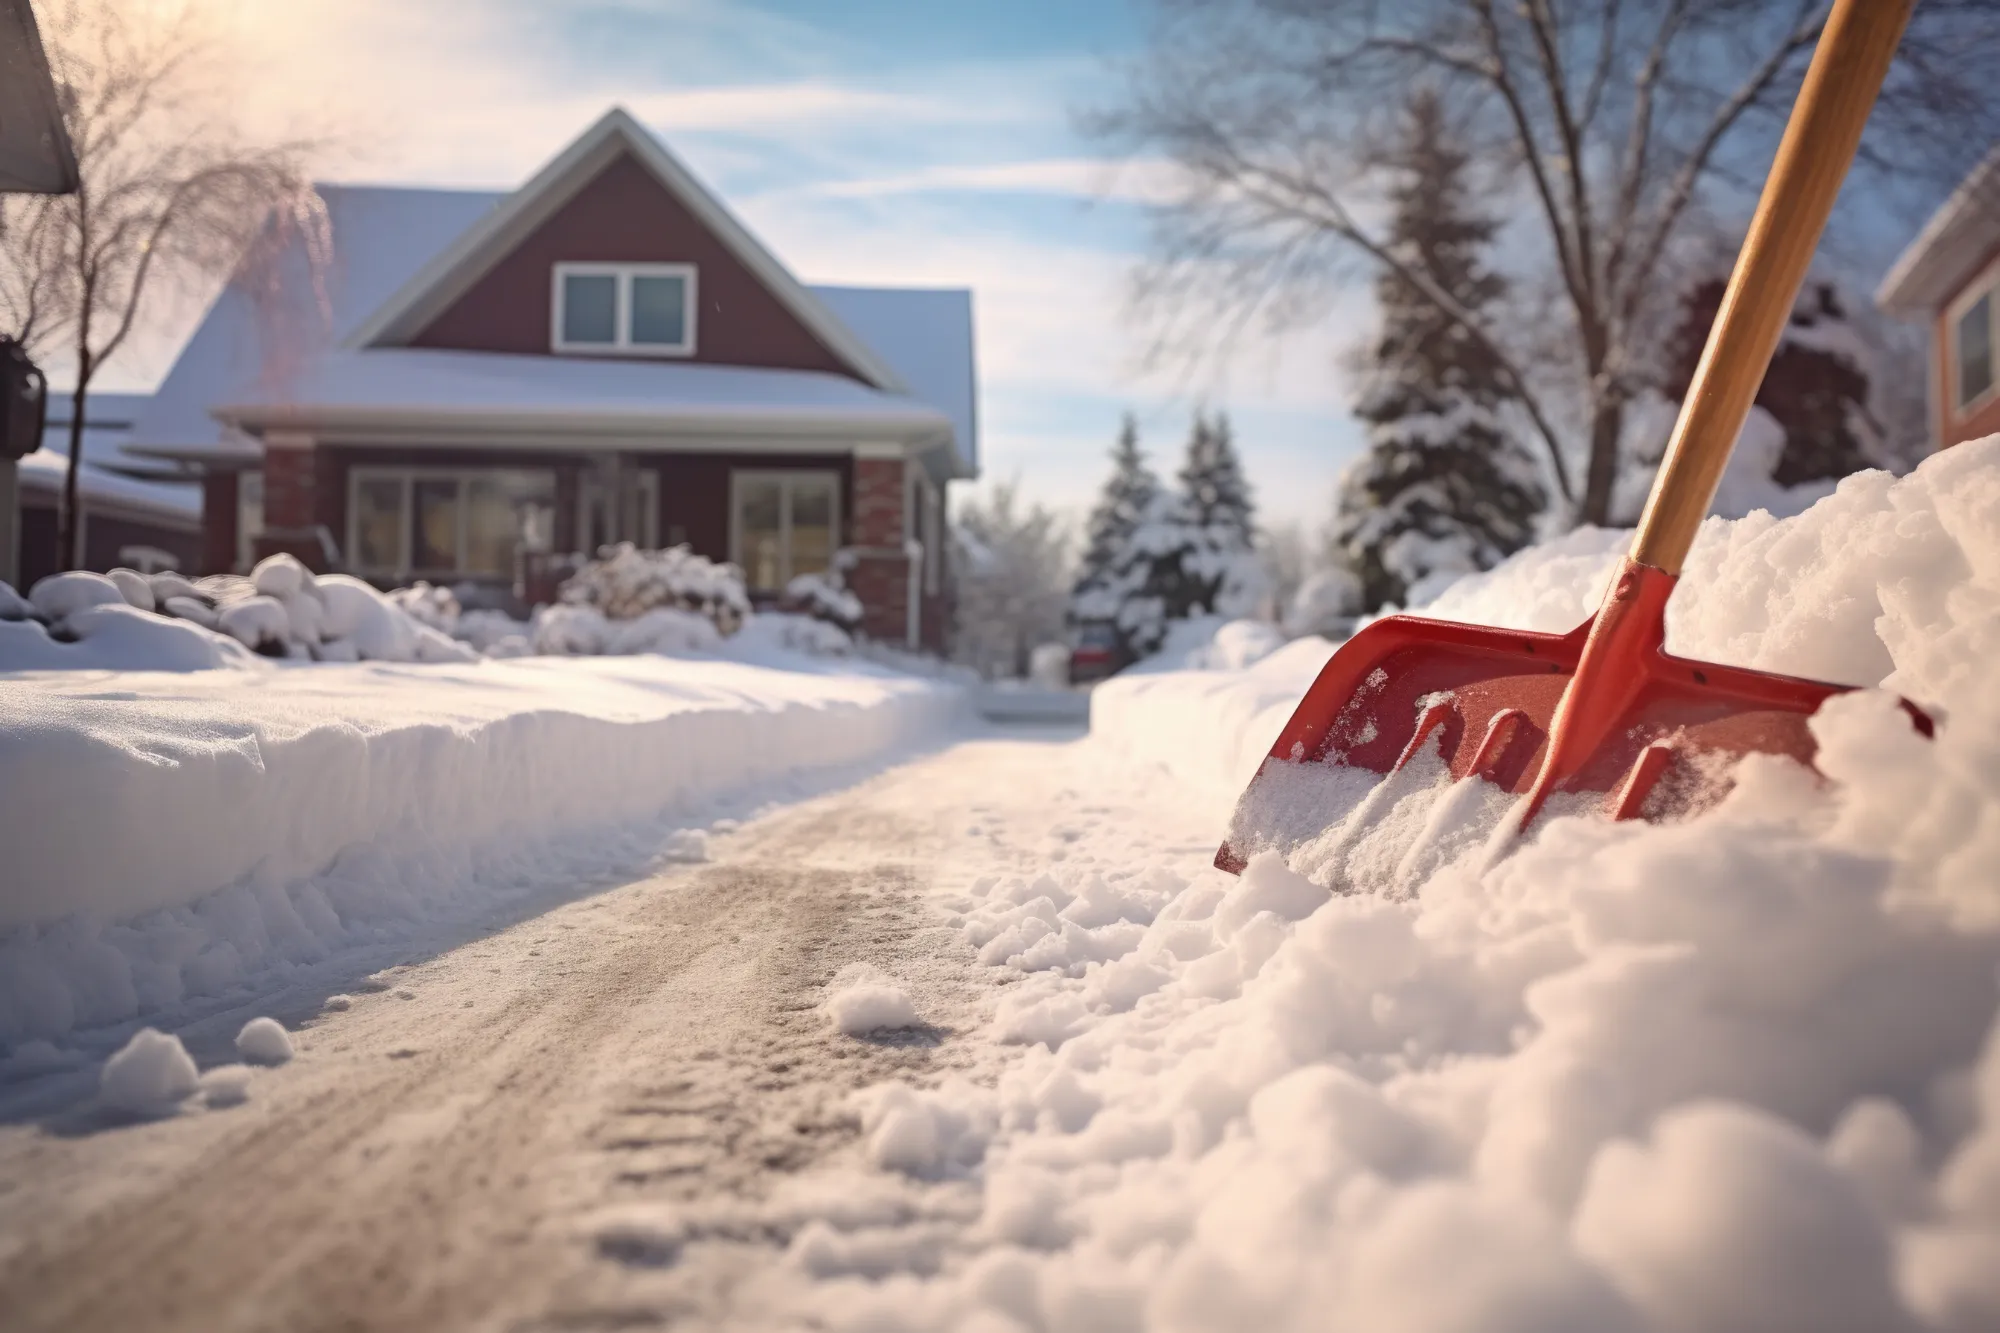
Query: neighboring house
[(1950, 276), (136, 511), (471, 380)]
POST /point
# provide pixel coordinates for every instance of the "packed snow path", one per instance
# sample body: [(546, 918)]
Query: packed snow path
[(444, 1152)]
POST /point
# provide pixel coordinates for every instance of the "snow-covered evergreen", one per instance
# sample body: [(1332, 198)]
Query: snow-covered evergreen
[(1211, 477), (1444, 486), (1124, 502)]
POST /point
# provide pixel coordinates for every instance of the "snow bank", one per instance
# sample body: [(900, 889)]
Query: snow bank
[(178, 835), (1737, 1073)]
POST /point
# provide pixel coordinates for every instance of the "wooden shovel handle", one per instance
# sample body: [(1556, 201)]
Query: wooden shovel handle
[(1825, 128)]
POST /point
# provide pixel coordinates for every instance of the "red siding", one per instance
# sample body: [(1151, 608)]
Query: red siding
[(625, 215), (1983, 420), (218, 523)]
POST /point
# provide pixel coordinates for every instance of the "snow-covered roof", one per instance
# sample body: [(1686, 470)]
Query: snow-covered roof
[(493, 395), (926, 334), (1959, 236), (108, 419), (175, 504), (260, 344)]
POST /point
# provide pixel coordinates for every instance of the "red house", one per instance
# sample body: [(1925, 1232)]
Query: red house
[(1950, 277), (468, 382)]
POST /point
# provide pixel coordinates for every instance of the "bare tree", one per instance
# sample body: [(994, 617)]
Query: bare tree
[(1013, 573), (1608, 123), (171, 192)]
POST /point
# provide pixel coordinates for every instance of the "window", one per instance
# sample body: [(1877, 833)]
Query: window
[(628, 309), (403, 522), (1975, 350), (593, 517), (782, 525)]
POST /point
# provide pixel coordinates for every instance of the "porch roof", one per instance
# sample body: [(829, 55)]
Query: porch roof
[(577, 402)]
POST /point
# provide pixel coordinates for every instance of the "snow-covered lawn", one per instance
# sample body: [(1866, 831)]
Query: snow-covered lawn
[(170, 836), (1742, 1073)]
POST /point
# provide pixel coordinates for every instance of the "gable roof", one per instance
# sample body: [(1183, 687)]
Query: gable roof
[(462, 263), (1958, 237)]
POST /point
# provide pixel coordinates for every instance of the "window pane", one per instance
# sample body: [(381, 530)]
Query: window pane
[(505, 510), (812, 526), (378, 523), (590, 308), (434, 524), (659, 311), (758, 540), (1975, 350)]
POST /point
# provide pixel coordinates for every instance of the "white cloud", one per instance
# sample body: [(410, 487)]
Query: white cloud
[(1138, 181)]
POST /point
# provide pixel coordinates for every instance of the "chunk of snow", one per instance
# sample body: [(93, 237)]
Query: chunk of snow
[(264, 1041), (150, 1075), (861, 1002), (279, 575), (225, 1085), (258, 623)]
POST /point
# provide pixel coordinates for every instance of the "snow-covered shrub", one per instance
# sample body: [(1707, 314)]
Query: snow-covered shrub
[(427, 605), (1326, 603), (625, 582), (824, 597), (787, 632), (168, 622)]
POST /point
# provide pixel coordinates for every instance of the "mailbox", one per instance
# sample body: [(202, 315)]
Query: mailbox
[(24, 400)]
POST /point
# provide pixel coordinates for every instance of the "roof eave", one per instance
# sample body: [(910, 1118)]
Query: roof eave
[(1927, 272)]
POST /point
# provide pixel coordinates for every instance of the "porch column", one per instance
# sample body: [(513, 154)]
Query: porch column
[(880, 576), (218, 522), (291, 500)]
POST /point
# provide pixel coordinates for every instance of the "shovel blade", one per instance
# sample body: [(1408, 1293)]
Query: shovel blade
[(1409, 691)]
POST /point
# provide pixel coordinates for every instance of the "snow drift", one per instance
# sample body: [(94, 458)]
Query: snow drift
[(177, 835), (1737, 1073)]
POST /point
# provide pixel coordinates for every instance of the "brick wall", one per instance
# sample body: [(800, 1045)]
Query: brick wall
[(218, 522), (290, 494), (881, 574)]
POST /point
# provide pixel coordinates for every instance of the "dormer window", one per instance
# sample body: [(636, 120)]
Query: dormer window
[(624, 309)]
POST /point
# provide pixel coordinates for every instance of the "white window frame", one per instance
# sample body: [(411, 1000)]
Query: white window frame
[(645, 480), (787, 477), (621, 308), (1985, 285), (407, 476)]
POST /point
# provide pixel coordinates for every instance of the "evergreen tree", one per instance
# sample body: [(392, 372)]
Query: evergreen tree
[(1444, 487), (1211, 478), (1123, 503), (1817, 387)]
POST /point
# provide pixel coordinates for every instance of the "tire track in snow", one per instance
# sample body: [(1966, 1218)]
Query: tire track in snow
[(431, 1163)]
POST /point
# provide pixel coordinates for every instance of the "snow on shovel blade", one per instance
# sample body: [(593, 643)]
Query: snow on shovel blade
[(1421, 738)]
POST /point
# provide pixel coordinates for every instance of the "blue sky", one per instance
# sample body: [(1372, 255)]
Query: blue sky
[(867, 141)]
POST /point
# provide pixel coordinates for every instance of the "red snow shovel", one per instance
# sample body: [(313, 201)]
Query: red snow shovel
[(1603, 714)]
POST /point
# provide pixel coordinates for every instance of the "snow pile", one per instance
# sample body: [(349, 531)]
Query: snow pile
[(183, 835), (167, 622), (861, 1000), (787, 632), (1737, 1073), (625, 583), (584, 631), (264, 1041), (150, 1075)]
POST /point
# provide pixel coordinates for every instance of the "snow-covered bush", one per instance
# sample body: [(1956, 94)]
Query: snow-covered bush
[(167, 622), (824, 597), (625, 582), (427, 605), (1326, 603), (787, 632)]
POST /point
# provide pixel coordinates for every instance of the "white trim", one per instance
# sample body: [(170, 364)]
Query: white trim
[(407, 475), (621, 343), (455, 269), (1983, 284), (785, 477), (1955, 237), (886, 450)]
